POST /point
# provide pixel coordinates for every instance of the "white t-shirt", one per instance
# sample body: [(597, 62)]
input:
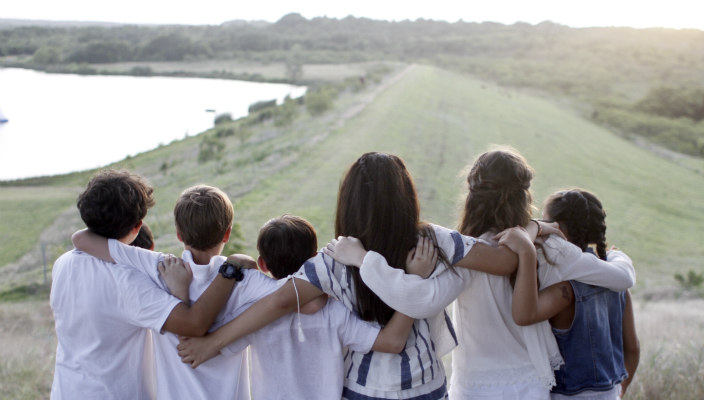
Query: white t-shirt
[(100, 312), (283, 367), (224, 376)]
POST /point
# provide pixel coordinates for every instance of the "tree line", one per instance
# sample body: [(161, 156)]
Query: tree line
[(636, 74)]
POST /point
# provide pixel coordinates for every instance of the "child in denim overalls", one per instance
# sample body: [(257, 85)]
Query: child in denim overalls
[(594, 326)]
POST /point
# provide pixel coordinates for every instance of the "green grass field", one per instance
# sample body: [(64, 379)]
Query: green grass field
[(438, 122)]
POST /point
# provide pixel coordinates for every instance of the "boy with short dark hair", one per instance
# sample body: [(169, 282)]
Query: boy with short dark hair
[(203, 217), (101, 309), (300, 356)]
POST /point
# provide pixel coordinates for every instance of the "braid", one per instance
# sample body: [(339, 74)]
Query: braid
[(596, 224), (582, 215)]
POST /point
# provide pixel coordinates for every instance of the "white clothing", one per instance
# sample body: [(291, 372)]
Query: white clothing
[(100, 312), (283, 367), (222, 377), (493, 350), (569, 263), (417, 372)]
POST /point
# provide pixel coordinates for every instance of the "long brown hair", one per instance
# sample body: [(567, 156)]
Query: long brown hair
[(582, 217), (498, 194), (378, 204)]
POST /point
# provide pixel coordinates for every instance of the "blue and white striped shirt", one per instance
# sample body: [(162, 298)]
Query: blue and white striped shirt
[(415, 373)]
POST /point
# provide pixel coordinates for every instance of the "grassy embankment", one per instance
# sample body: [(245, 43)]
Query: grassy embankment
[(438, 122)]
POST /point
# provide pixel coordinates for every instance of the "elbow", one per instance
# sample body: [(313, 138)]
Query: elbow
[(632, 350), (521, 319), (397, 346)]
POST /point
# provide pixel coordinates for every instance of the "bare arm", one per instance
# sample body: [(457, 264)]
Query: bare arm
[(93, 244), (529, 306), (631, 344), (492, 260), (393, 337), (196, 319), (550, 301), (195, 351)]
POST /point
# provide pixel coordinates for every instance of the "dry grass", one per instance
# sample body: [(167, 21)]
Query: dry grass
[(671, 366), (27, 347), (672, 350)]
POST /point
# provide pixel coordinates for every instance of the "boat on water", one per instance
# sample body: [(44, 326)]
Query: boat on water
[(3, 118)]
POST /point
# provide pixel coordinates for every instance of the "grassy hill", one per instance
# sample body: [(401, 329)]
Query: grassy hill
[(438, 121)]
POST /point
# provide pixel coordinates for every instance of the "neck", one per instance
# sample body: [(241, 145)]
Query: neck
[(202, 257)]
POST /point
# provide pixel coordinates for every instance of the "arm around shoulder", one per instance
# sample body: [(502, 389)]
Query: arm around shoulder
[(393, 337), (393, 286), (196, 319)]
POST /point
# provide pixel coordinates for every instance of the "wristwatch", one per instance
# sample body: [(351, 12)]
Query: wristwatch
[(229, 270)]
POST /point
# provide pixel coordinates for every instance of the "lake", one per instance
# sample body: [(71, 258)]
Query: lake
[(59, 123)]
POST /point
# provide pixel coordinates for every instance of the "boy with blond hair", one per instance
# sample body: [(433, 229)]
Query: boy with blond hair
[(101, 310)]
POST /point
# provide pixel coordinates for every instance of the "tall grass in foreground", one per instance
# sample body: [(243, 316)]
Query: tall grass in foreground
[(672, 351), (27, 347), (671, 363)]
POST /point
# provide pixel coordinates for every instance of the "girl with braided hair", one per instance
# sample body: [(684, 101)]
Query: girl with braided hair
[(593, 326), (495, 358)]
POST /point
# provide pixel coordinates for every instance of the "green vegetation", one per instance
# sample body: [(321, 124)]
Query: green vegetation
[(33, 291), (438, 121), (614, 73), (692, 281)]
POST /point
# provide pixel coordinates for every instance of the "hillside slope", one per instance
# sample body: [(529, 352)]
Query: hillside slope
[(437, 121)]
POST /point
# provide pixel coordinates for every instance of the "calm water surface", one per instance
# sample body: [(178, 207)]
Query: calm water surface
[(61, 123)]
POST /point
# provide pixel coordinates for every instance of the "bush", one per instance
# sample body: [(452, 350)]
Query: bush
[(222, 118), (225, 131), (319, 101), (693, 280), (261, 105), (287, 112), (210, 148)]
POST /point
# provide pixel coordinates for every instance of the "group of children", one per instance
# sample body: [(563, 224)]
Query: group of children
[(364, 318)]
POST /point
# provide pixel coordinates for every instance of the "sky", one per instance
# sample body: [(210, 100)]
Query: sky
[(638, 14)]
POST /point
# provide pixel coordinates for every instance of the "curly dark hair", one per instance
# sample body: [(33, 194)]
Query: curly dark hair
[(581, 216), (114, 202)]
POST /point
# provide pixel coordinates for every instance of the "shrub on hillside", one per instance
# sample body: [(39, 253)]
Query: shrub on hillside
[(286, 112), (692, 280), (261, 105), (320, 100), (210, 148), (222, 118)]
